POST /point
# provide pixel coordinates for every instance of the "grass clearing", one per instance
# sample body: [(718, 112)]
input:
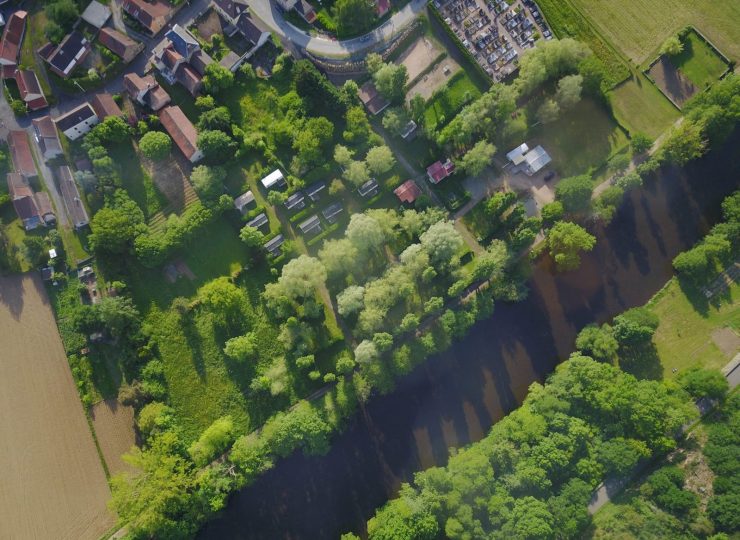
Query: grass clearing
[(638, 27), (583, 138), (136, 181), (684, 337), (641, 107), (446, 102), (699, 62)]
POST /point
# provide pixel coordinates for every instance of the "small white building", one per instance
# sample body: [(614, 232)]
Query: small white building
[(77, 122), (528, 161), (274, 179)]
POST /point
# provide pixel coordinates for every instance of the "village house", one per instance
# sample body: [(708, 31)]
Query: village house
[(331, 213), (69, 54), (314, 190), (526, 160), (47, 138), (182, 131), (373, 101), (77, 122), (73, 203), (24, 203), (258, 222), (43, 202), (407, 192), (297, 201), (274, 245), (236, 14), (96, 14), (274, 179), (30, 89), (20, 152), (104, 106), (10, 44), (244, 201), (152, 16), (146, 91), (438, 171), (120, 44), (180, 59), (310, 226), (369, 189)]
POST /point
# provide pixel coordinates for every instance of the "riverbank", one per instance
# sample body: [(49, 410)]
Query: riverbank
[(455, 397)]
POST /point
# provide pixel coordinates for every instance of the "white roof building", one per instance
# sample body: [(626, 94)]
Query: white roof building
[(516, 156), (275, 178), (536, 159)]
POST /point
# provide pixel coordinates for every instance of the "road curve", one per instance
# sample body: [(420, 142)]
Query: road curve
[(269, 14)]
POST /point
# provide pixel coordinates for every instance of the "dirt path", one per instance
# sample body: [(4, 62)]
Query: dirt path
[(53, 484)]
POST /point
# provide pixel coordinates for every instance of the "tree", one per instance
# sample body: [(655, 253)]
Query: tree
[(635, 326), (722, 510), (373, 62), (301, 277), (619, 456), (208, 181), (417, 106), (213, 441), (478, 158), (366, 352), (118, 315), (565, 241), (339, 257), (354, 16), (63, 13), (113, 230), (320, 96), (491, 263), (700, 383), (241, 348), (549, 60), (155, 145), (343, 155), (223, 299), (217, 146), (640, 142), (218, 118), (684, 143), (34, 249), (598, 343), (217, 78), (205, 102), (357, 173), (365, 232), (575, 193), (390, 80), (112, 129), (252, 236), (358, 126), (395, 119), (671, 46), (442, 242), (552, 212), (569, 91), (380, 160), (351, 300), (313, 140), (548, 112)]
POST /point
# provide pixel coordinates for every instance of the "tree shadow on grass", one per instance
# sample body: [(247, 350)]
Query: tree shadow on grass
[(642, 361)]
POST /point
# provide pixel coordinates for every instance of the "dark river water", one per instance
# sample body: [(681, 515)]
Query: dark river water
[(455, 397)]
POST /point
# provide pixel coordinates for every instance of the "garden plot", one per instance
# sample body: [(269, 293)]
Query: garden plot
[(437, 78), (53, 484), (421, 54), (672, 82)]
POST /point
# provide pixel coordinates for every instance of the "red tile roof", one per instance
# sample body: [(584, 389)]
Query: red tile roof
[(408, 191), (18, 186), (12, 36), (371, 98), (438, 171), (116, 41), (20, 150), (105, 106), (30, 89), (181, 130)]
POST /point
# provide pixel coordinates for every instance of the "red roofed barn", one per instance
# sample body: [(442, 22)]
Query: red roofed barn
[(182, 131)]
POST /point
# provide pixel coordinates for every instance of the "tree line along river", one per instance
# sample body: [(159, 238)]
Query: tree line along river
[(455, 397)]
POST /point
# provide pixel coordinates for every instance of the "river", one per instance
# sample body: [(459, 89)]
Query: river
[(455, 397)]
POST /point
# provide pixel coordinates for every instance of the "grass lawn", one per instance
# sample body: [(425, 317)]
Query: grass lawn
[(445, 103), (136, 181), (15, 234), (582, 139), (638, 27), (641, 107), (216, 251), (684, 337), (699, 62)]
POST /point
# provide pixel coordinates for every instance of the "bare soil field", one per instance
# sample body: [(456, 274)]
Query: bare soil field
[(419, 55), (53, 484), (674, 84), (172, 181), (114, 428), (435, 79)]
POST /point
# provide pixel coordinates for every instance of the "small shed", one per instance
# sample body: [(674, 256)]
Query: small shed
[(314, 191), (408, 130), (310, 226), (273, 245), (274, 179), (438, 170), (259, 222), (297, 201), (244, 201), (369, 189), (516, 156), (408, 191), (331, 213)]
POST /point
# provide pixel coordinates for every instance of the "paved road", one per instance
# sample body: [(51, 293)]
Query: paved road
[(267, 12)]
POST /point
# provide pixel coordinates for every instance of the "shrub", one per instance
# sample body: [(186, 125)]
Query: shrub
[(155, 145)]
